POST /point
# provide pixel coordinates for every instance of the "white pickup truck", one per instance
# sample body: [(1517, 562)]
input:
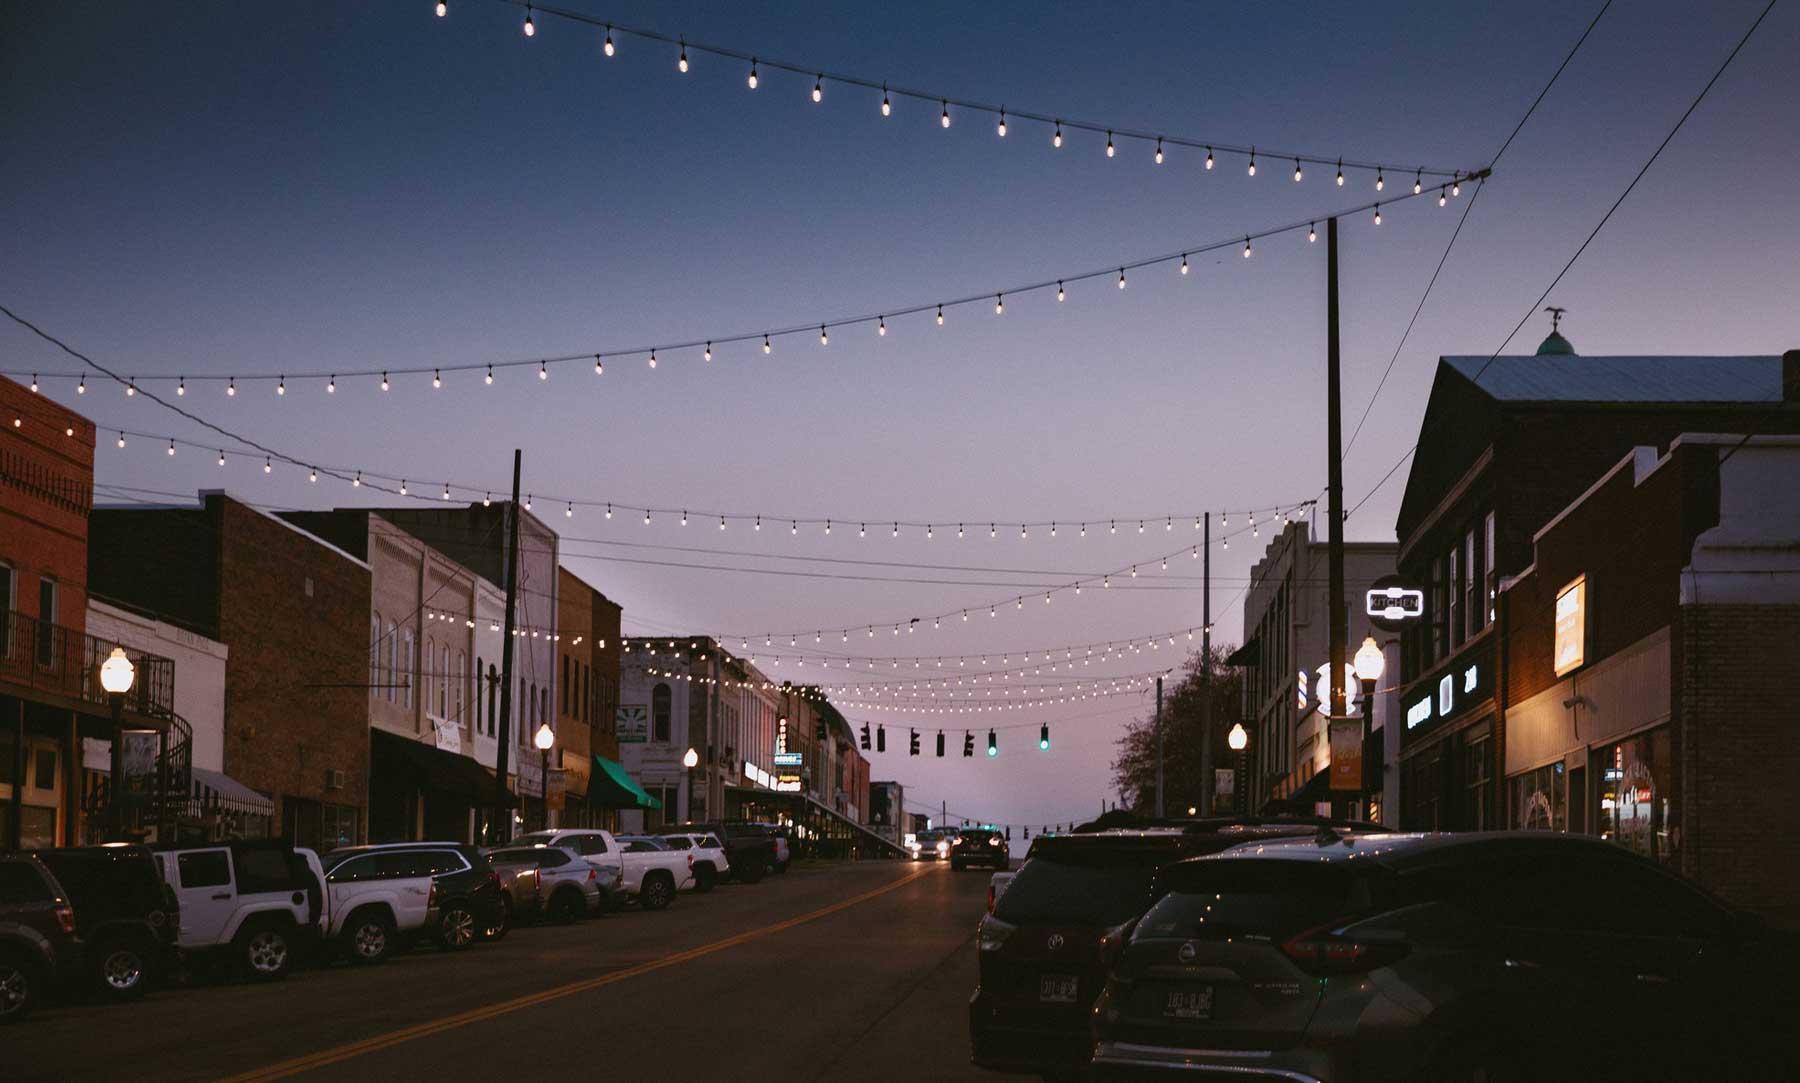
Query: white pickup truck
[(647, 870)]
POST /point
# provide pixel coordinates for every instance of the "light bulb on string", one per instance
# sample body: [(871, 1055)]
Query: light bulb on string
[(180, 388), (1059, 292), (1209, 158), (824, 339), (646, 516), (1296, 171), (543, 371), (568, 512), (652, 358), (312, 473), (999, 304), (1121, 278), (331, 385), (1312, 234), (1380, 180), (437, 381), (940, 315), (1000, 128), (1455, 186), (1056, 137), (1378, 214), (1184, 263), (707, 356), (944, 119), (607, 46), (171, 447), (384, 381), (490, 374), (1109, 145), (766, 344), (681, 63), (1418, 182), (683, 516), (721, 522), (881, 326), (530, 27), (1246, 248), (819, 89), (1159, 153), (599, 366), (1340, 173), (1252, 170), (1440, 197), (443, 9), (886, 108), (752, 79), (269, 468), (222, 458), (230, 387), (130, 388)]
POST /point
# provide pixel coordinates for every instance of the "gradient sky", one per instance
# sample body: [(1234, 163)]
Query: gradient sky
[(211, 187)]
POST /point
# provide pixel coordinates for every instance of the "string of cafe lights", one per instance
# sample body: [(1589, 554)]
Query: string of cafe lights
[(440, 491), (970, 706), (1031, 695), (1067, 652), (386, 379), (1157, 145)]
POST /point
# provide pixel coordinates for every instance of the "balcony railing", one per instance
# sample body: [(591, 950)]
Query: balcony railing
[(61, 661)]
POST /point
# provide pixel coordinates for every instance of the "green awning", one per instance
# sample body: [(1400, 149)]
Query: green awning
[(611, 786)]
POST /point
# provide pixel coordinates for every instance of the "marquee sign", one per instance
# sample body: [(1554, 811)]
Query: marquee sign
[(1390, 603)]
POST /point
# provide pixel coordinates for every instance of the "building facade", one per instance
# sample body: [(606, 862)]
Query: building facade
[(1287, 645), (1506, 444), (1645, 673), (292, 610)]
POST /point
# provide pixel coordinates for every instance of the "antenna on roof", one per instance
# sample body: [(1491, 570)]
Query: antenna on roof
[(1556, 315)]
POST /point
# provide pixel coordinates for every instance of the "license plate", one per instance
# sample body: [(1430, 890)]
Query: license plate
[(1057, 988), (1189, 1004)]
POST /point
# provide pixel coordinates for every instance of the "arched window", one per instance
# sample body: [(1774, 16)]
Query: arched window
[(374, 654), (493, 700), (480, 681), (660, 709), (443, 681), (409, 652), (393, 663), (425, 674)]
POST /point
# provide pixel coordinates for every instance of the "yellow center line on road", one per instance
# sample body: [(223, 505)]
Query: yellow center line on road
[(338, 1054)]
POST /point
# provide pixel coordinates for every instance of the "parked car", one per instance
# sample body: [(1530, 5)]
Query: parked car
[(979, 846), (710, 862), (1039, 951), (931, 845), (750, 851), (565, 889), (518, 896), (653, 872), (125, 914), (997, 887), (257, 903), (784, 846), (1496, 956), (39, 951), (387, 894), (596, 847)]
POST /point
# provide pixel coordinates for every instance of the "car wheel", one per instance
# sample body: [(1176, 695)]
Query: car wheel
[(266, 952), (456, 926), (704, 878), (657, 893), (566, 907), (121, 968), (501, 923), (368, 938), (18, 989)]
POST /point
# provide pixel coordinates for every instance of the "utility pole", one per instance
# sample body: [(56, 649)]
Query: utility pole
[(1206, 740), (1339, 705), (502, 814), (1159, 750)]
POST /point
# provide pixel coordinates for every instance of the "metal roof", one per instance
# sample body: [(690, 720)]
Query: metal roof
[(1572, 378)]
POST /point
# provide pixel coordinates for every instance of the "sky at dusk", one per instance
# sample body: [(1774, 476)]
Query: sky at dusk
[(222, 188)]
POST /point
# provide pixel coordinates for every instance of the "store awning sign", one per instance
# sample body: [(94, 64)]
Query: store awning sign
[(1571, 627)]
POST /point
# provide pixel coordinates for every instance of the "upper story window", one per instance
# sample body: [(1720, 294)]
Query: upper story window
[(409, 657), (393, 666), (374, 654), (661, 700), (425, 676)]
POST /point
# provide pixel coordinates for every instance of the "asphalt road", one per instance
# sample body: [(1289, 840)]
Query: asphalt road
[(846, 971)]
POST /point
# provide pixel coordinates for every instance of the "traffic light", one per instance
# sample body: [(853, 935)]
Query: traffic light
[(993, 744), (913, 749), (940, 744), (865, 736), (968, 743), (1044, 737), (881, 738)]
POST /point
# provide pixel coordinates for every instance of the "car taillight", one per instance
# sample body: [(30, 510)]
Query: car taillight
[(1112, 943), (593, 873), (992, 934), (431, 898), (690, 861), (1323, 952), (65, 917)]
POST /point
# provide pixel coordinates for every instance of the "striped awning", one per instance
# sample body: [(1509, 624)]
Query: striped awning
[(215, 789)]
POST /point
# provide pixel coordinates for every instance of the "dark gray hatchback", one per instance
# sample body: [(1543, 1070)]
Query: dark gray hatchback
[(1488, 956)]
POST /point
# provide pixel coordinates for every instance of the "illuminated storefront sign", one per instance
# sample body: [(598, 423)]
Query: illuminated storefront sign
[(1394, 603), (1571, 626), (1446, 695), (788, 759), (1301, 689), (1418, 712), (1322, 688)]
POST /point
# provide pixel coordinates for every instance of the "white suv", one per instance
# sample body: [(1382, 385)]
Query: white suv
[(257, 902), (710, 864)]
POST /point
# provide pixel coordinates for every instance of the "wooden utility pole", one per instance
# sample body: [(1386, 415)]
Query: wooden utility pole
[(1338, 708), (1159, 750), (1206, 737), (502, 823)]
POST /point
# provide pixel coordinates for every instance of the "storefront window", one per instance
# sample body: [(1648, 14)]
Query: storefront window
[(1637, 808), (1478, 781), (1540, 799), (338, 826)]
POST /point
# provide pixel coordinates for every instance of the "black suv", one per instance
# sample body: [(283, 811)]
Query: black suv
[(1041, 951), (39, 952), (979, 846), (749, 847), (124, 913)]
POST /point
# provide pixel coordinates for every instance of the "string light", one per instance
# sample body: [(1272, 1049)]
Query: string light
[(356, 483), (681, 64), (886, 108), (653, 358), (437, 381), (1109, 145), (1380, 181), (230, 388), (1159, 153), (1209, 158), (999, 305), (543, 371), (130, 388), (1056, 137), (171, 445), (752, 79), (1296, 171), (1059, 292), (269, 468), (819, 89), (1001, 127), (881, 328), (1184, 263), (824, 338), (442, 8), (1312, 235), (607, 46), (945, 117), (222, 459), (530, 29), (599, 366), (707, 356), (180, 388), (1440, 197), (1378, 214), (1121, 278), (940, 315), (331, 385), (1246, 248), (1253, 161), (1418, 183), (1340, 173), (384, 381)]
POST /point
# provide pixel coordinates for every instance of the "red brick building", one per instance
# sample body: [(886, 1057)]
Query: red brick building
[(294, 612), (1647, 655), (1506, 444)]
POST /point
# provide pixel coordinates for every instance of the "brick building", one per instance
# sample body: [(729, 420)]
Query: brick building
[(293, 612), (1506, 444), (588, 630), (1646, 671)]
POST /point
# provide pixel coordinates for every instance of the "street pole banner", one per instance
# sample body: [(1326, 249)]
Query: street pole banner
[(1346, 755), (1224, 784)]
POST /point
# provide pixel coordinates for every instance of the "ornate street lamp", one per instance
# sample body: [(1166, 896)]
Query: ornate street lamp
[(1371, 662), (1239, 740), (544, 739), (690, 760), (117, 675)]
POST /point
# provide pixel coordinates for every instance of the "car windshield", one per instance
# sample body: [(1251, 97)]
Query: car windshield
[(1083, 885), (977, 836), (1276, 899)]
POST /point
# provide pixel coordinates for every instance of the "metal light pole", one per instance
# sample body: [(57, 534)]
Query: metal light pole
[(1371, 662), (1239, 740), (690, 760), (544, 739), (1159, 750), (116, 676)]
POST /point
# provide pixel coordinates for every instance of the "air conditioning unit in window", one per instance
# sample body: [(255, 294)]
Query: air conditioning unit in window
[(334, 779)]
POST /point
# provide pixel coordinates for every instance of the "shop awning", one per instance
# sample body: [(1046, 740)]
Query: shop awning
[(215, 789), (611, 786), (433, 768), (1249, 654)]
